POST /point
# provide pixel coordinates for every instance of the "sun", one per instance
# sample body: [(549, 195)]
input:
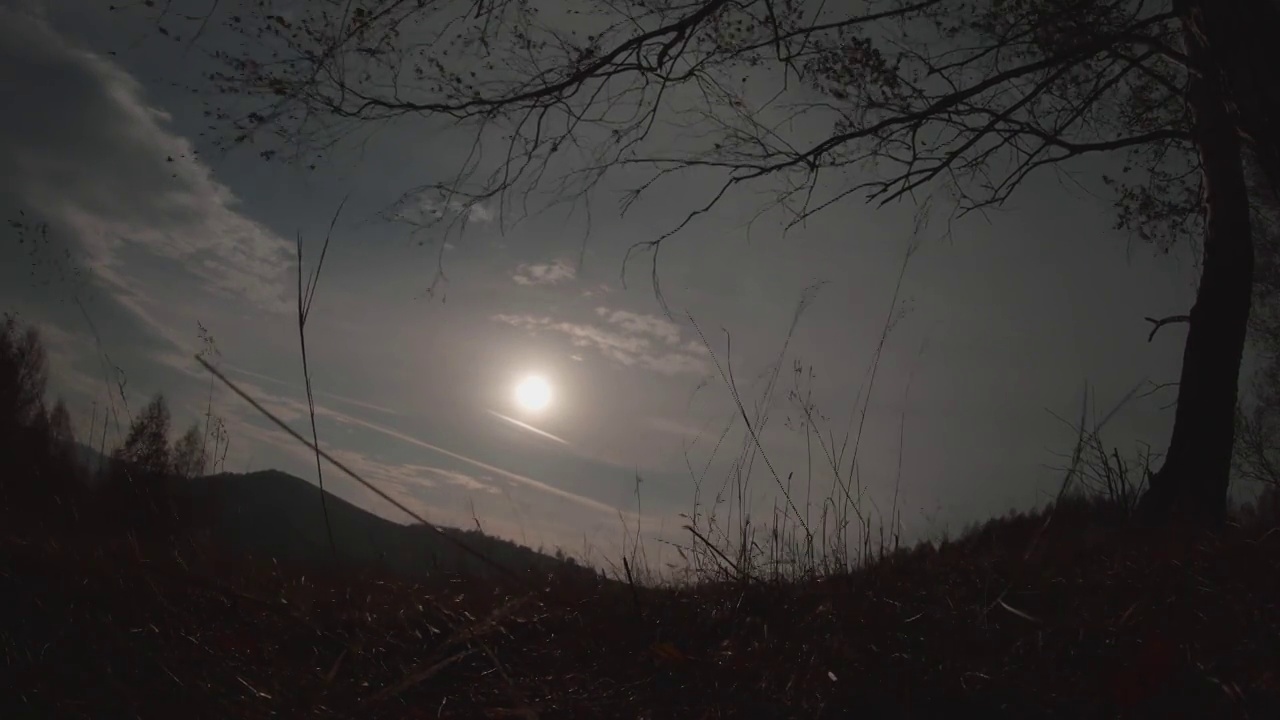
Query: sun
[(533, 393)]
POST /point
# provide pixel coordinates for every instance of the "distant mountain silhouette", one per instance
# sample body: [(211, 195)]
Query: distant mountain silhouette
[(272, 514)]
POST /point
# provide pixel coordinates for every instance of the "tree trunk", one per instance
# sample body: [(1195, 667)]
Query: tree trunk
[(1192, 484), (1252, 65)]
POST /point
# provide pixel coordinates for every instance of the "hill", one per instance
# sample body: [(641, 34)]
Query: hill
[(274, 515)]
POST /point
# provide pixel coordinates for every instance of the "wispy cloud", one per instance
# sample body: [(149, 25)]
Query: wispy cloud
[(448, 496), (291, 410), (66, 351), (413, 486), (651, 325), (493, 470), (320, 393), (683, 429), (551, 273), (631, 339), (410, 478), (94, 157)]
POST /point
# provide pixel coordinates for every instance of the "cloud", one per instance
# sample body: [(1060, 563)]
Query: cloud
[(408, 485), (65, 351), (480, 213), (293, 410), (319, 393), (660, 328), (92, 155), (515, 478), (675, 427), (450, 497), (544, 273), (401, 480), (529, 428), (631, 339)]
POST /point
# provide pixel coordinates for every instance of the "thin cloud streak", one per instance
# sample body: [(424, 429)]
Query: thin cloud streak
[(528, 427), (516, 477), (323, 393), (630, 339), (551, 273)]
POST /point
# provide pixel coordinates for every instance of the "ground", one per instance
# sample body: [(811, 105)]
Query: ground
[(1017, 619)]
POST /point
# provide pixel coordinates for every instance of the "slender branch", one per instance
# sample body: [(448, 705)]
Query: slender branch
[(1157, 324)]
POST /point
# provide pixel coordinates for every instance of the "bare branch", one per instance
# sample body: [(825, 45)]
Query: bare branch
[(905, 97), (1157, 324)]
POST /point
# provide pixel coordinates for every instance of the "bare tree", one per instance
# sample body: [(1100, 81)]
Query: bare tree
[(146, 447), (819, 102), (23, 374), (37, 447), (189, 454), (137, 485)]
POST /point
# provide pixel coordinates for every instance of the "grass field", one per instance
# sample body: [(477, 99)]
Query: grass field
[(1074, 618)]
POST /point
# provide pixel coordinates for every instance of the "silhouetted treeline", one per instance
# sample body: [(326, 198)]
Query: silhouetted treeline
[(39, 471), (44, 481)]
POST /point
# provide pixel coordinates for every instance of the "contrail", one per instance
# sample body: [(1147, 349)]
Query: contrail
[(516, 477), (522, 479), (350, 401), (528, 427)]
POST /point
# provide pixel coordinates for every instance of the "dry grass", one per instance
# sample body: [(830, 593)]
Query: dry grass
[(1084, 620)]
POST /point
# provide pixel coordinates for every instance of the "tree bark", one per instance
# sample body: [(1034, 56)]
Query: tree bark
[(1192, 484), (1252, 66)]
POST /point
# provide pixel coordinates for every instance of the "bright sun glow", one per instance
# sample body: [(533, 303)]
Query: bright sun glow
[(533, 393)]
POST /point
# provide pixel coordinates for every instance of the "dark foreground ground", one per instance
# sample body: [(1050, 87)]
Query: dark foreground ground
[(1091, 623)]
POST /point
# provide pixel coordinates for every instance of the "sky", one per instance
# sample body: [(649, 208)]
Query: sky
[(1001, 322)]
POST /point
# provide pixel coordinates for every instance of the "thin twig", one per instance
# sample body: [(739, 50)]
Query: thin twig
[(1157, 324), (738, 574), (306, 296)]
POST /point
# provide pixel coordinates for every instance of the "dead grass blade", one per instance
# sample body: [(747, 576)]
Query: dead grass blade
[(417, 677)]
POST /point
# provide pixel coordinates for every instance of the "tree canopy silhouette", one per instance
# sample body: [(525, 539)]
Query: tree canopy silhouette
[(188, 454), (23, 374), (819, 102), (146, 447), (37, 447)]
